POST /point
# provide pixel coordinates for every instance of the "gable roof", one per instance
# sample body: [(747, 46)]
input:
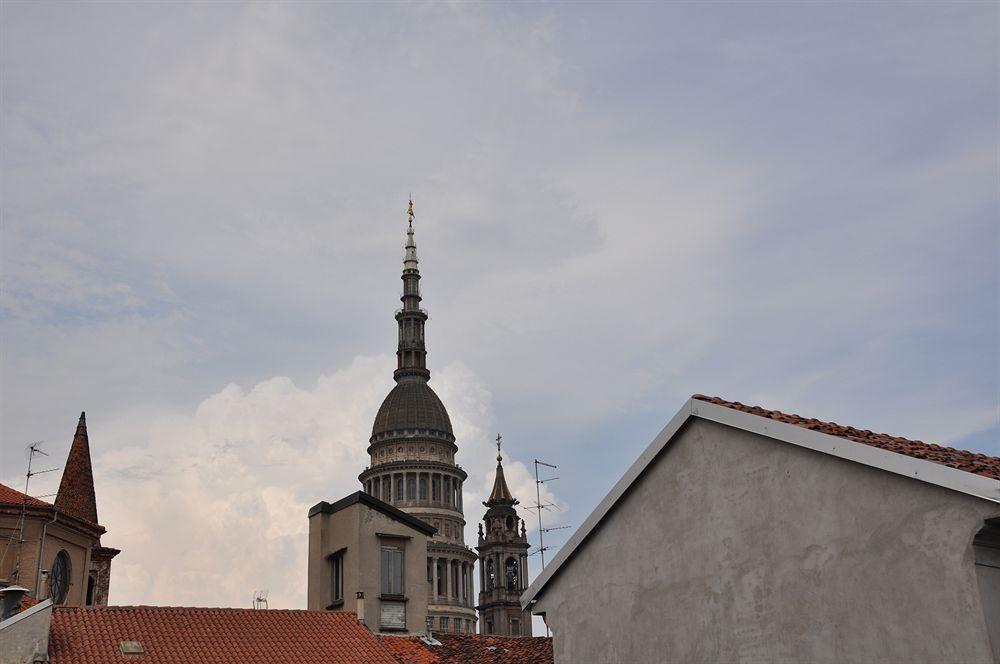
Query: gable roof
[(471, 649), (324, 507), (11, 496), (76, 489), (172, 634), (973, 474), (970, 462)]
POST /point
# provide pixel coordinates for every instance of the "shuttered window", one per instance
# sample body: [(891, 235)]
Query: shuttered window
[(392, 571)]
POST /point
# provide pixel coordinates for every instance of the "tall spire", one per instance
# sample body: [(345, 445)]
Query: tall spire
[(76, 489), (411, 355), (500, 495)]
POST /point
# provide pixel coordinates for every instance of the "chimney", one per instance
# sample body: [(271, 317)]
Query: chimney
[(361, 607), (12, 596)]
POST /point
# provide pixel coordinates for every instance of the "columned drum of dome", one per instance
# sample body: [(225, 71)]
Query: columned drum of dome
[(412, 462)]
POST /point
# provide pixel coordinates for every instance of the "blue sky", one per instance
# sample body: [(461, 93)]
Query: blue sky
[(618, 205)]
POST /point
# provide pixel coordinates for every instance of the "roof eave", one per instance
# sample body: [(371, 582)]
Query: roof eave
[(928, 471)]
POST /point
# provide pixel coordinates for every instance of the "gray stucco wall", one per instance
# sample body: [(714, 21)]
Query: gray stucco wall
[(24, 638), (736, 547)]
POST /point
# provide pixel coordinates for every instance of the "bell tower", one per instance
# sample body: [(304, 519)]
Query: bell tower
[(503, 562)]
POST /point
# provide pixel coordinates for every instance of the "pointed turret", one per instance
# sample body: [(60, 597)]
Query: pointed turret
[(76, 490), (501, 494), (411, 354), (503, 556)]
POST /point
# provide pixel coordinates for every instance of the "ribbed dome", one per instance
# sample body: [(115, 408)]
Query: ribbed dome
[(412, 404)]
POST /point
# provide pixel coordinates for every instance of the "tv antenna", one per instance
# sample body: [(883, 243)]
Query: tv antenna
[(34, 449), (260, 599), (539, 506)]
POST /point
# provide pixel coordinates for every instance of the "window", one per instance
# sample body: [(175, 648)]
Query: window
[(411, 486), (337, 578), (515, 627), (59, 578), (392, 570), (434, 488), (91, 583), (441, 578), (489, 626), (444, 624), (510, 572), (423, 488), (458, 626), (447, 528), (399, 485), (490, 578)]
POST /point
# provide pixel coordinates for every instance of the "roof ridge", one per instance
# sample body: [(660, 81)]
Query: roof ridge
[(145, 607), (965, 460)]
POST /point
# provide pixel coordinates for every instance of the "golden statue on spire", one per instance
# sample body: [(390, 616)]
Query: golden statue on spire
[(409, 210)]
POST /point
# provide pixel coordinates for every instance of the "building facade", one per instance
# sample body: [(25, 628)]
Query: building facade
[(747, 534), (503, 563), (345, 539), (54, 549), (412, 462)]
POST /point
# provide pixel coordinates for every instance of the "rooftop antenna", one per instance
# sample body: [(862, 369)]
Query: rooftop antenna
[(260, 599), (539, 506), (33, 450)]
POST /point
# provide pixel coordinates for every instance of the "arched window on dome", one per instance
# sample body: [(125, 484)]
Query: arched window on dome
[(510, 573)]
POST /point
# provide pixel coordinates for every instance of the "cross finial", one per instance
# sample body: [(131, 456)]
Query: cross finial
[(499, 438), (409, 210)]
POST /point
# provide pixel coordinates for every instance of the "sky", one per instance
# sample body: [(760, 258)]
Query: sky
[(618, 205)]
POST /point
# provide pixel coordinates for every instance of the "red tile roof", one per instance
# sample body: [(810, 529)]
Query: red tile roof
[(970, 462), (76, 489), (9, 495), (171, 635), (410, 650), (471, 649)]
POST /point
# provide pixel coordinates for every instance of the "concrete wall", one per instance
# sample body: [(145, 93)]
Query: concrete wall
[(24, 638), (737, 547), (362, 530)]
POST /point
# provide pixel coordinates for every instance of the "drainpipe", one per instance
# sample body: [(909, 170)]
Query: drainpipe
[(361, 607), (41, 551)]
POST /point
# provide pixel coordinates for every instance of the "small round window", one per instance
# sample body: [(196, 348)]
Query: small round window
[(59, 578)]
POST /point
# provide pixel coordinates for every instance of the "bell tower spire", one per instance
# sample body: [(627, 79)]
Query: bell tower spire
[(503, 562), (411, 354)]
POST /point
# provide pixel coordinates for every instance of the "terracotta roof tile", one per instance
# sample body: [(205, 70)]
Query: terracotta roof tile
[(11, 496), (471, 649), (970, 462), (174, 635), (76, 489)]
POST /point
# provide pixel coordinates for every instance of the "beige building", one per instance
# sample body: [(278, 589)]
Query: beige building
[(369, 558), (54, 549)]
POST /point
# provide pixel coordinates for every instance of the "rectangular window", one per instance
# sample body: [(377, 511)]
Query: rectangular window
[(399, 488), (434, 488), (411, 486), (392, 570), (444, 624), (515, 627), (423, 488), (337, 578), (458, 626)]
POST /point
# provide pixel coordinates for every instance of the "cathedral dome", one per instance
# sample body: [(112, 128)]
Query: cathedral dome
[(412, 405)]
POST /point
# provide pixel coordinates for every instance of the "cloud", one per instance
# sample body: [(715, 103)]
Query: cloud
[(212, 505)]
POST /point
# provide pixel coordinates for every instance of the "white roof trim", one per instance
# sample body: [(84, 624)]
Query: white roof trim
[(893, 462), (30, 611)]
